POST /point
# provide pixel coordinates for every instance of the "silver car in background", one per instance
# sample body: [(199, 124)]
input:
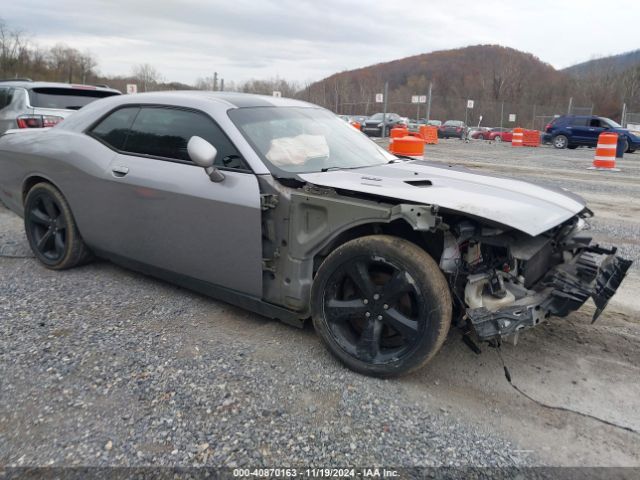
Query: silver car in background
[(280, 207), (28, 104)]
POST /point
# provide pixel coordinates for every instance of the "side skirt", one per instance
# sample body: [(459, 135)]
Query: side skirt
[(216, 292)]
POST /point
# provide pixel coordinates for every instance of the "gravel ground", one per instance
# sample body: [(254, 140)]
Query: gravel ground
[(101, 366)]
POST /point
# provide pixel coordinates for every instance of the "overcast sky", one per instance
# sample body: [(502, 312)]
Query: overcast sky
[(308, 40)]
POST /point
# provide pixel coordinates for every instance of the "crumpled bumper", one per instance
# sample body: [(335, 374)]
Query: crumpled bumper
[(565, 289)]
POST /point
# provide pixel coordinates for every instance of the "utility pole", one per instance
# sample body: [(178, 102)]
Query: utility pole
[(222, 84), (215, 81), (623, 118), (533, 119), (384, 112), (429, 102), (570, 106), (501, 113)]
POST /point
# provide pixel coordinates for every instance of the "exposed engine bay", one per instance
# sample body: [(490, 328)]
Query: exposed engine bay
[(507, 281)]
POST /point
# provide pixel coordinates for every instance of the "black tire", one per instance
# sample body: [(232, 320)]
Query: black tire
[(560, 141), (51, 229), (381, 305), (627, 147)]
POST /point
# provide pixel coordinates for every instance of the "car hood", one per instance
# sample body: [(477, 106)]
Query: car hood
[(525, 206)]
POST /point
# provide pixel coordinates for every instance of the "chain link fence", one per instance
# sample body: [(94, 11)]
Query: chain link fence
[(487, 113)]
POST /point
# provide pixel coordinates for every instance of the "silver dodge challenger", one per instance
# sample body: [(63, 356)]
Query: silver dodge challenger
[(280, 207)]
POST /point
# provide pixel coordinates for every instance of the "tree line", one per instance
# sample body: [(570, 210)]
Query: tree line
[(501, 80)]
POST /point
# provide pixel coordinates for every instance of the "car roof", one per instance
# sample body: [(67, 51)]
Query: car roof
[(232, 99), (29, 85)]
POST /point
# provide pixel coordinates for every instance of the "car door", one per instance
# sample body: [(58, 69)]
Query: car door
[(578, 130), (595, 128), (164, 211)]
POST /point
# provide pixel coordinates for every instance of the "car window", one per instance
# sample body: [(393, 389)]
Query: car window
[(165, 132), (65, 98), (6, 95), (114, 128), (579, 122), (595, 122)]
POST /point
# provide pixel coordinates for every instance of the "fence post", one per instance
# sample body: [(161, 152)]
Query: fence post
[(429, 102), (384, 114), (501, 113), (570, 105), (623, 118)]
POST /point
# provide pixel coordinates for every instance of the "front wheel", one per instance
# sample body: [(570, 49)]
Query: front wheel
[(381, 305), (498, 139), (51, 229), (560, 141)]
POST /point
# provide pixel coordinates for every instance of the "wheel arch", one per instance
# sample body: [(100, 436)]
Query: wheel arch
[(33, 180), (430, 242)]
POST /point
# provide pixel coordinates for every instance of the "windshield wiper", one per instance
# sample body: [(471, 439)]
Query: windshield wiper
[(326, 169), (399, 157)]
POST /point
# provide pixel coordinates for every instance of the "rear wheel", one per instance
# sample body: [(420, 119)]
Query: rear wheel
[(51, 229), (498, 139), (381, 305), (560, 141)]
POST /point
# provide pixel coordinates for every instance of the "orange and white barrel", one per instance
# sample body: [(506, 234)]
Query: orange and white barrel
[(605, 157), (410, 145), (518, 137)]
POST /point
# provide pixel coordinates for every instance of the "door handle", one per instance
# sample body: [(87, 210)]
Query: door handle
[(119, 171)]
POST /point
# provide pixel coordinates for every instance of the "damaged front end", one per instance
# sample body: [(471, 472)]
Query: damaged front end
[(509, 281)]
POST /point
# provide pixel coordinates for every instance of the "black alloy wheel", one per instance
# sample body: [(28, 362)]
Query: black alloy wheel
[(51, 229), (381, 305)]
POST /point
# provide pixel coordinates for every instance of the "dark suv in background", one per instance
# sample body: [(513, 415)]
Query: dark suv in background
[(28, 104), (572, 131), (373, 125), (453, 128)]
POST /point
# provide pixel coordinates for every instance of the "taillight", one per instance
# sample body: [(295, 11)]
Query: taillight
[(458, 129), (38, 121), (547, 127)]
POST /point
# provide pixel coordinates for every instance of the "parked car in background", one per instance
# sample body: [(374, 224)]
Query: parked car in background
[(452, 128), (477, 133), (373, 125), (28, 104), (496, 134), (572, 131), (278, 206), (359, 118), (433, 123)]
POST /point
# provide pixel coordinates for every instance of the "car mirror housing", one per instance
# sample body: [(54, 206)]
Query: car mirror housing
[(203, 154)]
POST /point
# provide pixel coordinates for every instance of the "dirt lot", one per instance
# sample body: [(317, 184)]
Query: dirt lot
[(102, 366)]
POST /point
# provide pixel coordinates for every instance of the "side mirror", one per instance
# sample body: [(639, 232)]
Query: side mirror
[(203, 154)]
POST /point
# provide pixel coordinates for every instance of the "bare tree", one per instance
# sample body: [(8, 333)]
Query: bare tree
[(147, 76)]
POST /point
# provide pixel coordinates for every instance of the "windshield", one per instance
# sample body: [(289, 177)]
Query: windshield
[(377, 116), (452, 123), (304, 140), (611, 123)]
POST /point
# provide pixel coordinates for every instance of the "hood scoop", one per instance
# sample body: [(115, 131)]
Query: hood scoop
[(419, 183)]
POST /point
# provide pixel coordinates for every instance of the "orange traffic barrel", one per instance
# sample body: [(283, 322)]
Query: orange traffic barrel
[(518, 137), (605, 158), (531, 138), (411, 146), (356, 125), (398, 132), (429, 133)]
